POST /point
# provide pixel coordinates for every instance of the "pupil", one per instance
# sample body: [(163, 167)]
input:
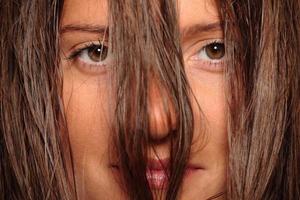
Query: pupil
[(97, 53), (215, 51)]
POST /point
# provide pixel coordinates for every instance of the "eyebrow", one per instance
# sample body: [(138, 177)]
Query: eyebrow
[(88, 28), (198, 28), (96, 29)]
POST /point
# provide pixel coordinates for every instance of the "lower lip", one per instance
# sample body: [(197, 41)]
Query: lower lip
[(158, 178)]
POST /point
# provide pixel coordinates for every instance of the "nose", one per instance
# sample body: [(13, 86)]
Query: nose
[(162, 115)]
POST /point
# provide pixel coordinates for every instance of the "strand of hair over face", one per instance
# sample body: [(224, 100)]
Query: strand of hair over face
[(150, 56)]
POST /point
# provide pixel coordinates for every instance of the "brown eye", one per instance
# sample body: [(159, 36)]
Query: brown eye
[(215, 51), (98, 53)]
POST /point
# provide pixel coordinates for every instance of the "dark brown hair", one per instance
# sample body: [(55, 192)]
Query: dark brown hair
[(262, 45)]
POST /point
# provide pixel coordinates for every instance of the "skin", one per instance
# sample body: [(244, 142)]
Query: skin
[(87, 100)]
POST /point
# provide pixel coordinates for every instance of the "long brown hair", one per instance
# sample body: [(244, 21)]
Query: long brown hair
[(264, 88), (151, 55), (32, 160), (262, 45)]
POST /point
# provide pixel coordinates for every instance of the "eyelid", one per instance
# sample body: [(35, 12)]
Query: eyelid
[(205, 64), (75, 57), (81, 47), (208, 42), (199, 45)]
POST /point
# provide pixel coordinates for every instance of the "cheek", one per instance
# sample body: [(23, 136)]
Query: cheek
[(88, 116), (85, 101), (209, 92), (87, 126), (210, 136)]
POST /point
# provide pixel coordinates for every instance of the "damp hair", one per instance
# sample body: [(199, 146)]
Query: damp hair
[(262, 44), (157, 58), (264, 91), (32, 139)]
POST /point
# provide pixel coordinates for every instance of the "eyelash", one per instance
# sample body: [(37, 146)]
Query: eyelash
[(77, 53), (214, 65), (208, 64)]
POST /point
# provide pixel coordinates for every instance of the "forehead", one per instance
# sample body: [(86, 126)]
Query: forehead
[(197, 11), (95, 12), (87, 12)]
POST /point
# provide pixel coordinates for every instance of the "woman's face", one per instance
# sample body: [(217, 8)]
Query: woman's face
[(87, 94)]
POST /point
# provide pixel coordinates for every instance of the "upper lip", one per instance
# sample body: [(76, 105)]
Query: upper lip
[(164, 164), (158, 164)]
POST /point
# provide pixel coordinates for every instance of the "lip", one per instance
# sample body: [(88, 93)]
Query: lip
[(158, 172)]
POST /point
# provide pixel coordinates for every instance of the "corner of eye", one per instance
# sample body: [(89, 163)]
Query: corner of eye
[(63, 56)]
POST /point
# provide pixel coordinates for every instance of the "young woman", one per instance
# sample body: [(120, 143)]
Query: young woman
[(136, 99)]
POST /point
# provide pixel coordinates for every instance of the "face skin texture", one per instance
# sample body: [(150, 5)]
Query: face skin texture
[(87, 98)]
